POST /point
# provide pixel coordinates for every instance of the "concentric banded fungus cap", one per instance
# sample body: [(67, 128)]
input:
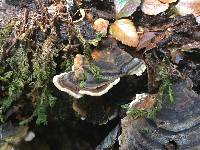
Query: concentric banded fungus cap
[(110, 62), (66, 82)]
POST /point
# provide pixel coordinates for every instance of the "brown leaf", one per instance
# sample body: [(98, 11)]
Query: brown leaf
[(167, 1), (125, 8), (153, 7), (188, 7), (150, 40), (125, 31), (145, 40)]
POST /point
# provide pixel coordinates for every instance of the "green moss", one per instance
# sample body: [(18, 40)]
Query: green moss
[(33, 68), (43, 72), (82, 82), (165, 88), (67, 65), (17, 76), (166, 85), (87, 52), (5, 32), (137, 113), (146, 130), (98, 38), (95, 70), (6, 76)]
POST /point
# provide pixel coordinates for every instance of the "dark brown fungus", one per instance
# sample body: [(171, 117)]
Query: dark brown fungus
[(112, 64), (175, 126), (96, 110)]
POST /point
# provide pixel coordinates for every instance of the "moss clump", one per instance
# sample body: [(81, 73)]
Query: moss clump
[(5, 33), (16, 75), (95, 70), (165, 87), (137, 113), (28, 71), (67, 65), (146, 130), (166, 84)]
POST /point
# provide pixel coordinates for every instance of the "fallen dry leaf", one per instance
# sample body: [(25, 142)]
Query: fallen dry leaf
[(153, 7), (125, 8), (150, 40), (125, 31), (145, 40), (167, 1), (185, 7)]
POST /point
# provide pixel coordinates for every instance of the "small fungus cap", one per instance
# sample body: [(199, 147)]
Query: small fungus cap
[(101, 26)]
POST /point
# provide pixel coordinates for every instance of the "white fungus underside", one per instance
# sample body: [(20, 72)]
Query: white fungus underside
[(56, 83), (82, 92), (30, 136), (101, 92), (139, 70)]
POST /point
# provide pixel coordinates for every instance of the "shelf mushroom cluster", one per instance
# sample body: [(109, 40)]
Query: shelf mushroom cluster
[(113, 64)]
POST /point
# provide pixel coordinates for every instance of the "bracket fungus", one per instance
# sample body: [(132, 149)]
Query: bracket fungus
[(175, 127), (110, 66), (97, 110)]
